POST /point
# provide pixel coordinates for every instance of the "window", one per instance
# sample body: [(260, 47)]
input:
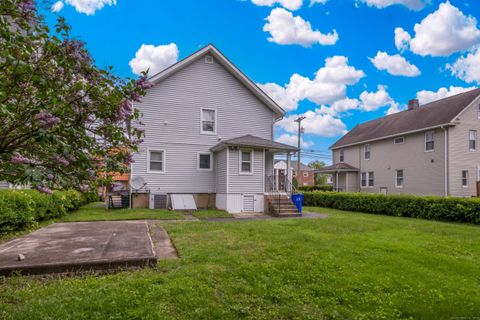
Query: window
[(399, 140), (399, 178), (305, 174), (472, 140), (246, 162), (209, 118), (204, 161), (465, 178), (366, 149), (156, 161), (367, 179), (429, 141), (342, 155)]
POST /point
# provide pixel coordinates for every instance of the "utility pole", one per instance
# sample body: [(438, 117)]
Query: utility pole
[(299, 121)]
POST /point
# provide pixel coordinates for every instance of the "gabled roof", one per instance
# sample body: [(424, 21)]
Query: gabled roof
[(293, 164), (252, 141), (337, 167), (229, 66), (431, 115)]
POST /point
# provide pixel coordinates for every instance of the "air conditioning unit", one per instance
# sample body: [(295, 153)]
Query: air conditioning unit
[(158, 201)]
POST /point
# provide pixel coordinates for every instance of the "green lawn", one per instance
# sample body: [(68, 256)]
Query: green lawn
[(348, 266), (211, 213), (98, 212)]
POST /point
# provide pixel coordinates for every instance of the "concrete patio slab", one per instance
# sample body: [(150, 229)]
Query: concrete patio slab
[(80, 246)]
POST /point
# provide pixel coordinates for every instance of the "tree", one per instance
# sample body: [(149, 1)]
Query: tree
[(60, 113), (320, 179)]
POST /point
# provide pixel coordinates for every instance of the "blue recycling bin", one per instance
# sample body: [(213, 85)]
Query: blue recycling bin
[(298, 201)]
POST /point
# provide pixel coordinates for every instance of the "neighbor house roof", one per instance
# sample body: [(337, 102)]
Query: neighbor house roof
[(431, 115), (229, 66), (252, 141), (337, 167), (293, 164)]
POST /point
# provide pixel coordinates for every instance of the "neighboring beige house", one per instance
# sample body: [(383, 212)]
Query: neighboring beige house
[(426, 150)]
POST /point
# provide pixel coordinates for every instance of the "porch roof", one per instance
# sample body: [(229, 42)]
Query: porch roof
[(337, 167), (253, 141)]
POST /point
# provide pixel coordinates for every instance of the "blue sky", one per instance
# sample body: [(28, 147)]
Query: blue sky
[(283, 46)]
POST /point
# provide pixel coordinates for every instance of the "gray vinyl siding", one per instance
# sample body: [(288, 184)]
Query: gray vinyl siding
[(171, 114), (461, 158), (351, 155), (221, 171), (245, 183)]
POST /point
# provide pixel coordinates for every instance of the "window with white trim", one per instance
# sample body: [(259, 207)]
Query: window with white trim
[(246, 158), (429, 141), (156, 161), (399, 178), (204, 161), (366, 150), (209, 117), (472, 140), (367, 179), (342, 155), (465, 178), (399, 140), (305, 174)]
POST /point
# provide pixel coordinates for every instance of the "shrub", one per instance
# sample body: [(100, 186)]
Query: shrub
[(432, 208), (315, 188), (23, 209)]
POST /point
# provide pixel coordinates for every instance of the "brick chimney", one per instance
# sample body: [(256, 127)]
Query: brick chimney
[(413, 104)]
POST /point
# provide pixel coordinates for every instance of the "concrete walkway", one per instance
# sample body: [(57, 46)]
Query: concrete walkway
[(86, 246)]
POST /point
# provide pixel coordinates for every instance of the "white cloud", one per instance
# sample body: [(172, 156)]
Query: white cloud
[(372, 101), (402, 39), (411, 4), (279, 95), (395, 107), (395, 65), (316, 122), (426, 96), (341, 106), (289, 4), (154, 58), (292, 140), (286, 29), (312, 2), (57, 6), (467, 68), (444, 32), (90, 6)]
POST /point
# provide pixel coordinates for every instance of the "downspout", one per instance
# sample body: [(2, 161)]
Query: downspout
[(445, 129)]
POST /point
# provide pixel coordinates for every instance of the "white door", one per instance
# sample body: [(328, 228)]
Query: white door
[(248, 203)]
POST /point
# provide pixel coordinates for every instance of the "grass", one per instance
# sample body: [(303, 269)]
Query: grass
[(349, 266), (98, 212), (211, 213)]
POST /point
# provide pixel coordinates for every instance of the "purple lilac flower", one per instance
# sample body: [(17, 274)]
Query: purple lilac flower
[(19, 159), (125, 110), (143, 83), (135, 97), (44, 189), (28, 6), (62, 160), (84, 187), (46, 119), (50, 176)]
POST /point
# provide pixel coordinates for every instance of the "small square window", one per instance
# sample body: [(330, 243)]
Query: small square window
[(399, 140), (204, 161), (305, 174)]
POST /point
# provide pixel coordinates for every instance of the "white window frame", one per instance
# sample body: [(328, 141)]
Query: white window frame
[(240, 162), (305, 174), (164, 161), (395, 140), (367, 179), (215, 125), (470, 139), (365, 151), (467, 179), (433, 140), (198, 161), (396, 178), (341, 156)]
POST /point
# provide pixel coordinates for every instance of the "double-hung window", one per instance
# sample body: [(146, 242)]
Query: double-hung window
[(342, 155), (472, 140), (366, 149), (209, 121), (465, 178), (205, 161), (399, 140), (429, 141), (367, 179), (399, 178), (156, 161), (246, 159)]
